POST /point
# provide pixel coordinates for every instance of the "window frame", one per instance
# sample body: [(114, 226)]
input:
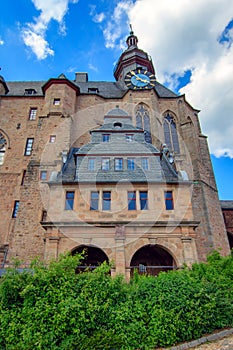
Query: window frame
[(132, 200), (56, 101), (43, 175), (91, 164), (129, 137), (145, 163), (105, 137), (32, 113), (69, 202), (94, 202), (143, 200), (169, 201), (29, 146), (15, 209), (104, 162), (106, 200), (131, 164), (118, 164), (52, 138)]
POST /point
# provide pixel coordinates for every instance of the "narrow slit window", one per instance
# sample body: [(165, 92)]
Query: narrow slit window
[(15, 210), (28, 147)]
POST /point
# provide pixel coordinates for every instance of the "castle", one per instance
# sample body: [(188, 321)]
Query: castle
[(120, 169)]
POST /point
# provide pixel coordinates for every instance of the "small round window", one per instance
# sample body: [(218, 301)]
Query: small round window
[(117, 125)]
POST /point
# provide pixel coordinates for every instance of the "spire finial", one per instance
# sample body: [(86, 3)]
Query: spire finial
[(131, 29)]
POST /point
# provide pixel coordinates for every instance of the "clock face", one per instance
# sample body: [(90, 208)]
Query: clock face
[(140, 79)]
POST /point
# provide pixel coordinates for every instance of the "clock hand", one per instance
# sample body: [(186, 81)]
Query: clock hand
[(143, 80)]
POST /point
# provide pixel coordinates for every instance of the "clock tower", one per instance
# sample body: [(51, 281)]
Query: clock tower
[(134, 68)]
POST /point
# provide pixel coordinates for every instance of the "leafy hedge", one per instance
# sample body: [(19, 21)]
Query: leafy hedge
[(54, 308)]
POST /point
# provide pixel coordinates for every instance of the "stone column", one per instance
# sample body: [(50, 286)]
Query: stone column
[(51, 245), (187, 250), (120, 249)]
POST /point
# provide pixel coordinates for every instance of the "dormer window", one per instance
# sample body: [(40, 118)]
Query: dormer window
[(29, 92), (56, 101), (117, 125), (105, 137), (93, 90), (129, 137)]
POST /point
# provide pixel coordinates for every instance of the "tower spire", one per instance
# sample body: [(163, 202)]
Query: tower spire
[(132, 40)]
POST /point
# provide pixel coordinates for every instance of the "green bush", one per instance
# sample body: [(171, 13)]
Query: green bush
[(52, 307)]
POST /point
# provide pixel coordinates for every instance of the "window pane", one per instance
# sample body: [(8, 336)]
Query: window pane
[(105, 163), (69, 204), (132, 200), (28, 148), (143, 200), (32, 114), (43, 175), (118, 163), (56, 101), (94, 201), (15, 210), (145, 164), (131, 164), (106, 205), (129, 137), (106, 138), (168, 200), (52, 138), (91, 164)]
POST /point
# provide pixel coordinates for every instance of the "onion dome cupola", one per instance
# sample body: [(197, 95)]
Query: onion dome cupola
[(134, 68)]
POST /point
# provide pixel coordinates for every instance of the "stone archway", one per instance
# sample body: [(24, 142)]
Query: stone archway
[(230, 239), (151, 259), (94, 257)]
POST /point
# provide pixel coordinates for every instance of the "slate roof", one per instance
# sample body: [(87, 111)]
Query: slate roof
[(226, 204), (76, 168), (105, 89), (17, 88)]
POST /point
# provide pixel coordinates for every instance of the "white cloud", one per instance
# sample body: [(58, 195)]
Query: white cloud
[(184, 35), (117, 24), (99, 17), (1, 42), (34, 33)]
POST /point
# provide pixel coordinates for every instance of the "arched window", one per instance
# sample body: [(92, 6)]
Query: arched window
[(2, 148), (170, 133), (143, 121)]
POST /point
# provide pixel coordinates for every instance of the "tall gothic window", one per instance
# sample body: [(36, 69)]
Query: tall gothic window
[(170, 133), (2, 148), (143, 121)]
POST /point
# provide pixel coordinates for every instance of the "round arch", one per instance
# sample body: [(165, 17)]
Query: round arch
[(152, 259), (93, 257)]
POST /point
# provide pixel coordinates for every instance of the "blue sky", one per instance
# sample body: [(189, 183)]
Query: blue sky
[(40, 39)]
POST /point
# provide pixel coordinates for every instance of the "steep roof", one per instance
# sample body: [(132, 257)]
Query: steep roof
[(226, 204), (102, 88)]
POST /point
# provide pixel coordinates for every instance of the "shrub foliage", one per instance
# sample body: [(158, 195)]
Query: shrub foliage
[(52, 307)]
